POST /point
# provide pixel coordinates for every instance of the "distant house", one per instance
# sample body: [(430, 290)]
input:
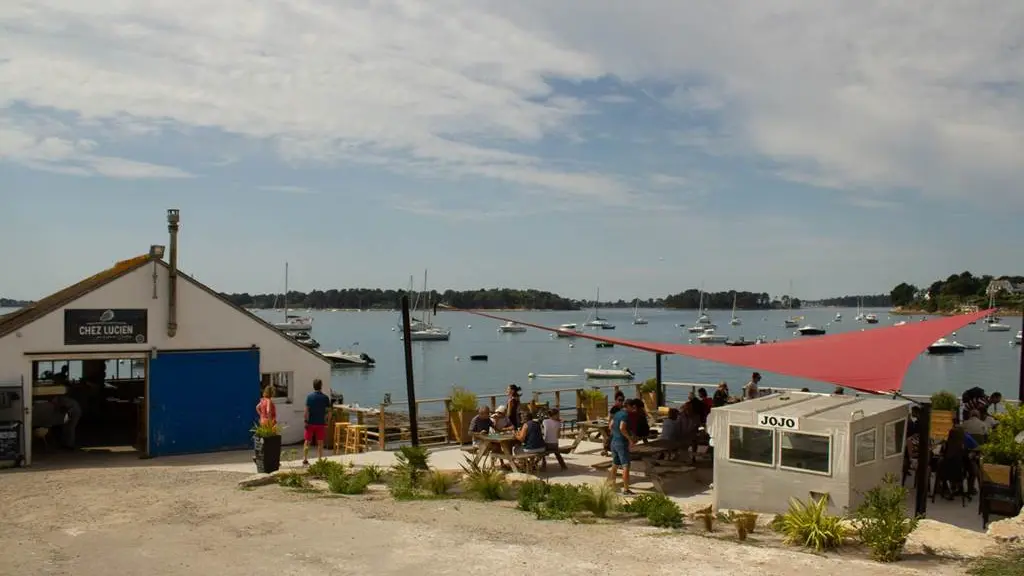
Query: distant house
[(997, 286)]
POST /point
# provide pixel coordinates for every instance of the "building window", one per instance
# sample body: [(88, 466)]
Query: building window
[(752, 445), (282, 383), (895, 435), (805, 452), (864, 447)]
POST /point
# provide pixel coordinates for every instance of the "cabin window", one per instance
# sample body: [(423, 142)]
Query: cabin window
[(752, 445), (281, 382), (864, 447), (895, 435), (805, 452)]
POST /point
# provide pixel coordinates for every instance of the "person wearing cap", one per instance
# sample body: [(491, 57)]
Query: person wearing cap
[(499, 421)]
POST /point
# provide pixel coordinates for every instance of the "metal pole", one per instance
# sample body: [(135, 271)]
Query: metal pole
[(410, 385), (924, 454), (1020, 383), (660, 390)]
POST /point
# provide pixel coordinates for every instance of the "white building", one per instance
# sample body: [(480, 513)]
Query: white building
[(153, 351)]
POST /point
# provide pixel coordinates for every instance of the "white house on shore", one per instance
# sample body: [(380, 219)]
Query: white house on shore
[(154, 359)]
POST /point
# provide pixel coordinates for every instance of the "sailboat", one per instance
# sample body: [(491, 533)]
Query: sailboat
[(792, 321), (423, 330), (735, 321), (598, 322), (703, 320), (291, 322), (638, 320), (860, 312)]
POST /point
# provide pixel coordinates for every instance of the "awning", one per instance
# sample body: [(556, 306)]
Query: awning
[(873, 360)]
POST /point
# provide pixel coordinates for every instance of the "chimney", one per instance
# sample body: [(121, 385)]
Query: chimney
[(172, 292)]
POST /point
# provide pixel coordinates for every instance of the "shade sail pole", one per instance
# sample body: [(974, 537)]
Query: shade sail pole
[(1020, 373), (660, 388)]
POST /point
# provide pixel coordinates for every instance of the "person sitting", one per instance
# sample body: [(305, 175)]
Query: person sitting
[(721, 396), (974, 425), (973, 399), (499, 421), (702, 394), (989, 421), (638, 424), (995, 404), (670, 430), (531, 437), (552, 430), (481, 423)]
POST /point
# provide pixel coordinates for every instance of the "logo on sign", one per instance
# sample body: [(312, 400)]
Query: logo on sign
[(776, 421)]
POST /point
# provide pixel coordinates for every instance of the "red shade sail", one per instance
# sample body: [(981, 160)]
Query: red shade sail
[(870, 360)]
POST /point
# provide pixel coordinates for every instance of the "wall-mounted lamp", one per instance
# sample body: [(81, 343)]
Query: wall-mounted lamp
[(156, 251)]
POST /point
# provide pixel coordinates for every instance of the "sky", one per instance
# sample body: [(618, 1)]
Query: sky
[(641, 148)]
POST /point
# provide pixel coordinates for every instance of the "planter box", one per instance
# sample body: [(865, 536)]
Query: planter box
[(650, 401), (996, 473), (940, 424), (458, 424), (595, 409), (267, 454)]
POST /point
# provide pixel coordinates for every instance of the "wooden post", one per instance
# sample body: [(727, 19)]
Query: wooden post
[(1020, 383), (382, 429), (924, 453), (660, 389), (449, 425), (410, 383), (558, 399), (580, 416), (494, 403), (638, 393)]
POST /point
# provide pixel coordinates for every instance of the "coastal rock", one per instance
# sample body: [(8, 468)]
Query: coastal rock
[(264, 479), (1007, 529), (516, 478), (948, 541)]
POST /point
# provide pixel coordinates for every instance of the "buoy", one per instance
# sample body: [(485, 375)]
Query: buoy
[(392, 328), (572, 345), (456, 358), (531, 375), (470, 326), (615, 362)]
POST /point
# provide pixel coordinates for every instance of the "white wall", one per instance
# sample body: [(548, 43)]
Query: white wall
[(203, 322)]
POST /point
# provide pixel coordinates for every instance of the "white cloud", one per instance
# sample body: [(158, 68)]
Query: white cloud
[(921, 95)]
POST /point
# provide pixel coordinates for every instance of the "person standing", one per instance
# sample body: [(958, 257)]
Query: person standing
[(72, 411), (622, 440), (266, 410), (750, 390), (513, 405), (318, 405)]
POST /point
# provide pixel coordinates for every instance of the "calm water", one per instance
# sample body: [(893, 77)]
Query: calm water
[(440, 365)]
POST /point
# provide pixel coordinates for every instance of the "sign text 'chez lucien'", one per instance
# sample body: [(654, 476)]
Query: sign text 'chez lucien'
[(105, 326)]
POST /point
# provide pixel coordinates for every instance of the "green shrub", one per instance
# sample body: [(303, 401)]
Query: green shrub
[(412, 463), (592, 395), (345, 482), (462, 400), (292, 480), (600, 500), (531, 494), (665, 514), (488, 484), (944, 400), (882, 520), (374, 472), (642, 503), (322, 468), (563, 501), (438, 483), (649, 385), (811, 526), (1002, 446)]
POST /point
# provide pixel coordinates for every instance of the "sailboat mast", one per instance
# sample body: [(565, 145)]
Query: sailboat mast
[(285, 291), (426, 296)]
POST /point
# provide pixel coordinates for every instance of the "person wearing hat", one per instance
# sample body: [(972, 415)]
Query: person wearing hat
[(500, 421)]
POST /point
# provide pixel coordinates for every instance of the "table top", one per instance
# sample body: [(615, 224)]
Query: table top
[(498, 437), (601, 423)]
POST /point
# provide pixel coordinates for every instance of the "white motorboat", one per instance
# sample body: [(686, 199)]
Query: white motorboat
[(944, 347), (638, 320), (838, 318), (901, 323), (304, 338), (700, 328), (430, 335), (811, 330), (609, 373), (997, 327), (568, 330), (509, 327), (871, 318), (735, 320), (792, 322), (349, 358), (710, 337), (1017, 338)]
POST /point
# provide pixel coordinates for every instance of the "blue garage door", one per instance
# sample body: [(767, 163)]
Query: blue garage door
[(202, 401)]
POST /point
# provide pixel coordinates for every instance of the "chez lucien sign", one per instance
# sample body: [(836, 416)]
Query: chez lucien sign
[(769, 420), (105, 326)]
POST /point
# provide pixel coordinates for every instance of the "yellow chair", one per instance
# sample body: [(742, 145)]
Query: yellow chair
[(355, 438), (339, 436)]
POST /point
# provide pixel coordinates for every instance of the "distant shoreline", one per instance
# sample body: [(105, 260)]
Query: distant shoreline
[(1001, 312)]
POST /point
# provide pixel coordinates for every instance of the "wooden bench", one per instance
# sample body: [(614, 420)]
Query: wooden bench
[(659, 471), (521, 462)]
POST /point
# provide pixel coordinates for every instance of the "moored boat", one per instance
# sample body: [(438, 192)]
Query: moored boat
[(349, 358), (511, 327), (609, 373), (944, 347), (710, 337), (811, 330)]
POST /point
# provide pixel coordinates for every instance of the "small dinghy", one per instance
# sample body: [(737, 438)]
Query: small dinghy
[(609, 373)]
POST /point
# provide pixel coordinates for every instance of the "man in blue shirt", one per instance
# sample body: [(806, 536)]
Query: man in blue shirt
[(622, 440), (318, 406)]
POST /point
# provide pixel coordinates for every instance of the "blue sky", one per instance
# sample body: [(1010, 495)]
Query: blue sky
[(844, 147)]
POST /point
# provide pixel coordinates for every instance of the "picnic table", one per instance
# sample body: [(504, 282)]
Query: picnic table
[(596, 430), (500, 447), (659, 460)]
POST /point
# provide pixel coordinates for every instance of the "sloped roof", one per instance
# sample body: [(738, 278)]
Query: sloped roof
[(24, 316), (870, 361)]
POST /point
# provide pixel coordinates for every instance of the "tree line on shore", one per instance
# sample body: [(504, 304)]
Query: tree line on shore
[(964, 289)]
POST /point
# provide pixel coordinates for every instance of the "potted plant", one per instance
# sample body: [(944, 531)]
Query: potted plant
[(649, 394), (462, 407), (594, 404), (266, 439), (1002, 453), (944, 405)]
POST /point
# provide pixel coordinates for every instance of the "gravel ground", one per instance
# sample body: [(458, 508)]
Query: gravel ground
[(156, 520)]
